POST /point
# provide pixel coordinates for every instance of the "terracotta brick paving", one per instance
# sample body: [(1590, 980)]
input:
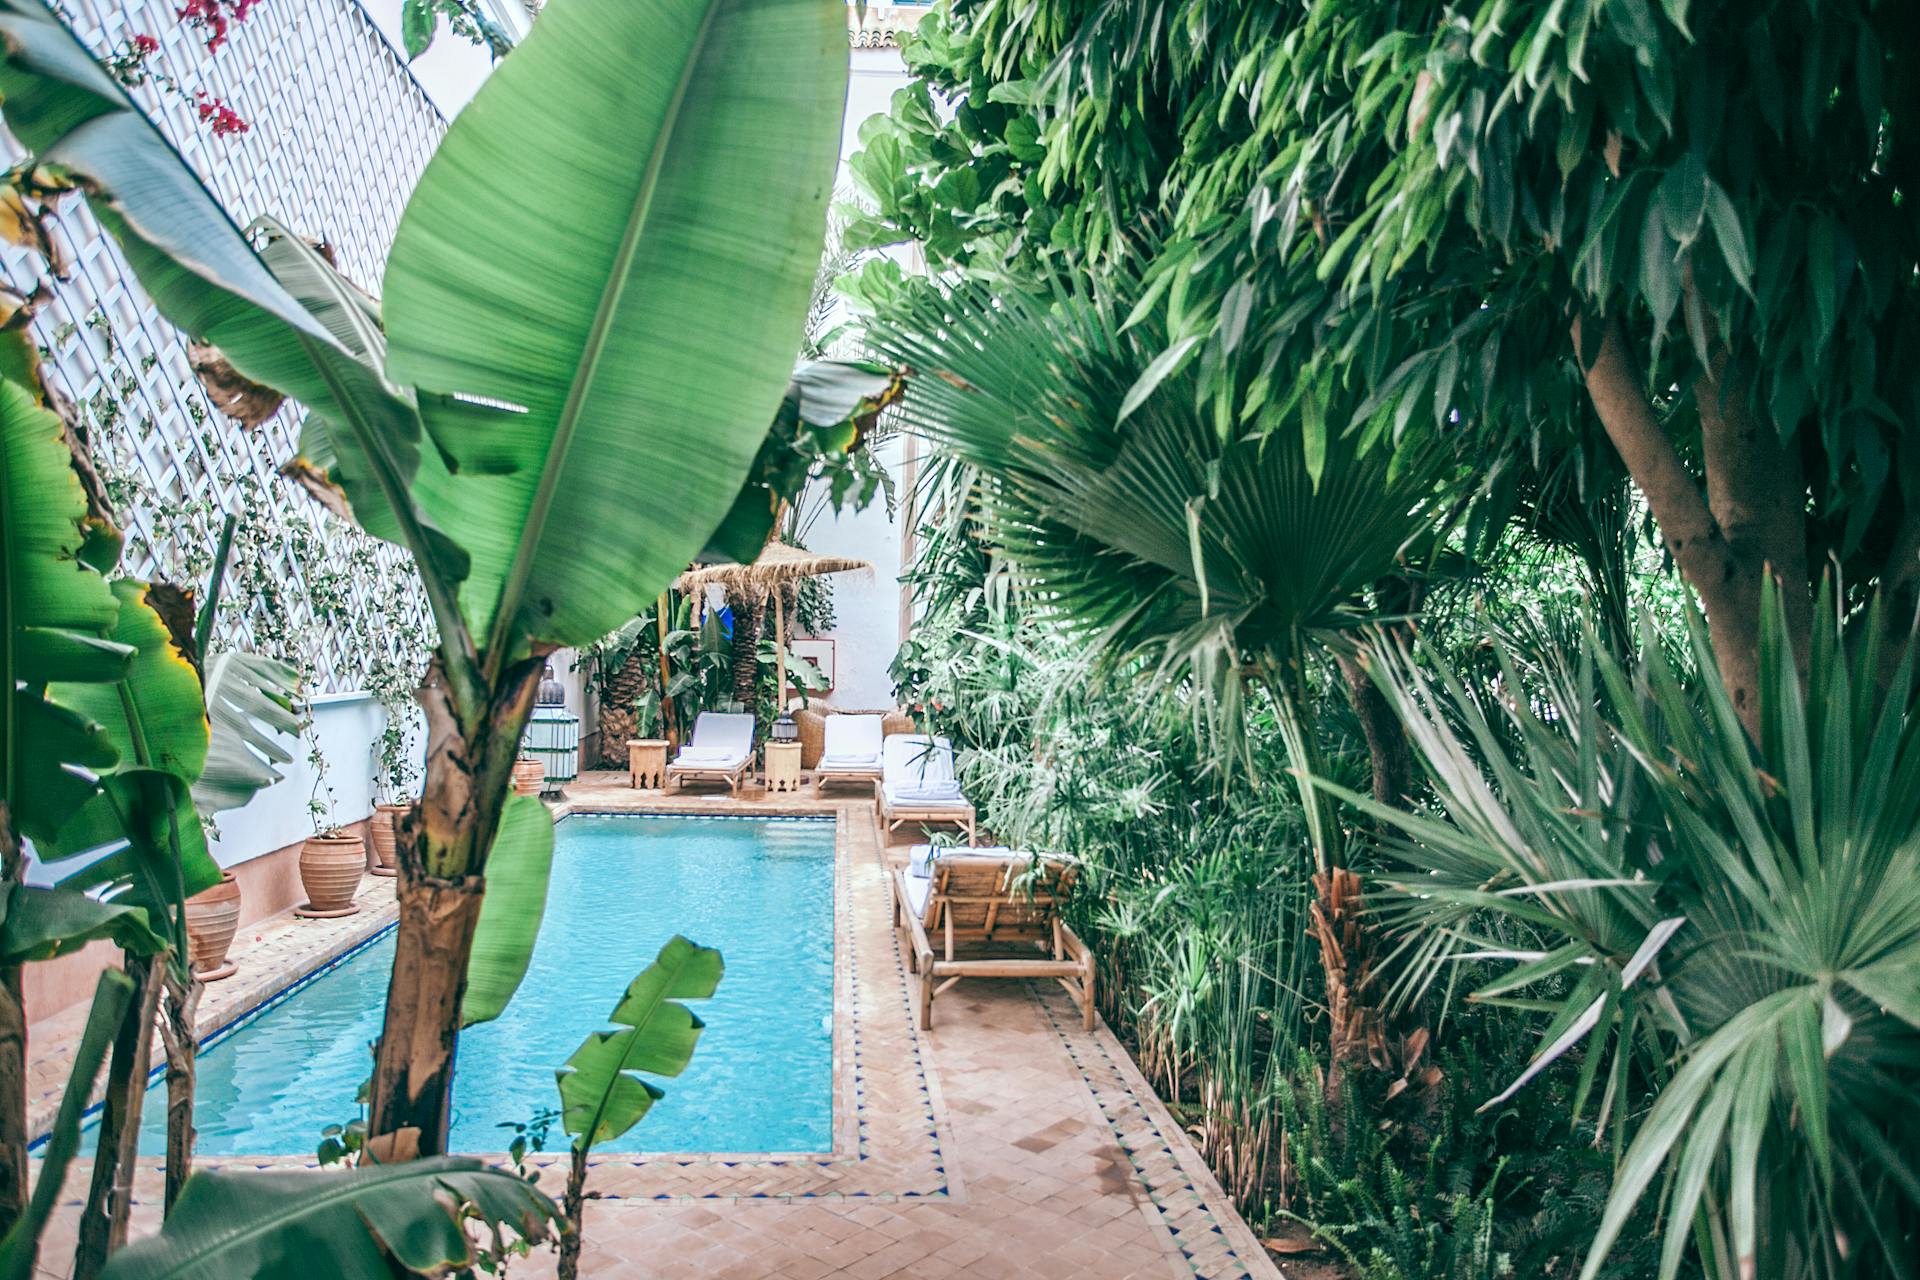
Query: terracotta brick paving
[(1004, 1144)]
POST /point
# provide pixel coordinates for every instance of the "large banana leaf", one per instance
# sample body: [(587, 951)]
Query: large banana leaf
[(20, 1248), (617, 238), (249, 710), (39, 924), (157, 724), (205, 277), (601, 1093), (54, 608), (517, 871), (359, 1224)]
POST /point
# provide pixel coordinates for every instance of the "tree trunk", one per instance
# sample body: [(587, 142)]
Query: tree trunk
[(749, 616), (413, 1071), (1337, 927), (575, 1208), (13, 1098), (1754, 514), (103, 1222), (13, 1055), (618, 721), (1388, 751), (177, 1036), (662, 612), (441, 846)]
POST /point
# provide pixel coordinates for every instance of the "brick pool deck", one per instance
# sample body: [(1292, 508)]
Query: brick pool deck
[(1004, 1143)]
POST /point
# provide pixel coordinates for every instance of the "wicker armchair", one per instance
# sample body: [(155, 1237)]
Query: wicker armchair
[(812, 722)]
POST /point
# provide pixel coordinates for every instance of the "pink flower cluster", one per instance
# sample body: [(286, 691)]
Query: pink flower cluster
[(215, 16), (217, 115)]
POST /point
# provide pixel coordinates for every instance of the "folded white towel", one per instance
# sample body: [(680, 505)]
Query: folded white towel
[(707, 755), (850, 762)]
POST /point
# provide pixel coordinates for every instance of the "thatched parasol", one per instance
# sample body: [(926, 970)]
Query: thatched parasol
[(775, 566)]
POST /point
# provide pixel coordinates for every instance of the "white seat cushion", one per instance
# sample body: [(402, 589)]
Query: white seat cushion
[(919, 889), (852, 738), (729, 735)]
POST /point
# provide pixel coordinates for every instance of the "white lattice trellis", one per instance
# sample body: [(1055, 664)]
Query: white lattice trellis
[(340, 133)]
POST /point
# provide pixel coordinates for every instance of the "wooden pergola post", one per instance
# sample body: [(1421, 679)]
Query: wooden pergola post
[(666, 671)]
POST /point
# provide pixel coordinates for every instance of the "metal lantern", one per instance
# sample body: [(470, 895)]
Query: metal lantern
[(784, 729), (553, 735)]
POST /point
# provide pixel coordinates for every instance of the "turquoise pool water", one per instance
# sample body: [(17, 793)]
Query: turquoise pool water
[(759, 890)]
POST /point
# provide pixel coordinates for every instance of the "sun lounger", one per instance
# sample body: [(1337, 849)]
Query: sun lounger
[(978, 913), (721, 751), (917, 785), (851, 753)]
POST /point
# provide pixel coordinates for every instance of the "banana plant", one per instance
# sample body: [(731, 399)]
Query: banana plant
[(602, 1093), (369, 1223), (564, 395), (20, 1243)]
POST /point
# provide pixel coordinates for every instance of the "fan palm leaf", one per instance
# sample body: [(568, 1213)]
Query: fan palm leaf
[(1744, 914)]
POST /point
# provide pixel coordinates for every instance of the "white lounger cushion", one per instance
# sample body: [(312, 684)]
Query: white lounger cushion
[(919, 889), (721, 740), (918, 773), (850, 739), (920, 863)]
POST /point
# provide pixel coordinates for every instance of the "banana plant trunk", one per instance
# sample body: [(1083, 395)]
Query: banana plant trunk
[(441, 846), (177, 1036), (109, 1207), (13, 1098), (13, 1055), (575, 1208)]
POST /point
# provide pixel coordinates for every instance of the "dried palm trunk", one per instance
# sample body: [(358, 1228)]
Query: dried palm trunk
[(618, 720), (749, 616)]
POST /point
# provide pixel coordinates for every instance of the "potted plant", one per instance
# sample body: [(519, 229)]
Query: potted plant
[(529, 776), (333, 860), (395, 778), (213, 917)]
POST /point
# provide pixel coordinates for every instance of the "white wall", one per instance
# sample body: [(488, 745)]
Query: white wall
[(345, 727), (453, 70), (866, 631)]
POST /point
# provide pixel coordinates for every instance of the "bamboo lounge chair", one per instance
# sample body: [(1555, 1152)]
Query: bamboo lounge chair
[(721, 751), (851, 752), (992, 919), (917, 785)]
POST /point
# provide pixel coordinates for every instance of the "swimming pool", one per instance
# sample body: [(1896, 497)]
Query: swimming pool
[(761, 890)]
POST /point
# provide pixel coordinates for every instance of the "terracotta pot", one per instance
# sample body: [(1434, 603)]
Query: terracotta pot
[(213, 917), (381, 837), (330, 870), (529, 777)]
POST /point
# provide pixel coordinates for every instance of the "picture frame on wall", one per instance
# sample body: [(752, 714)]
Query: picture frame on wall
[(818, 652)]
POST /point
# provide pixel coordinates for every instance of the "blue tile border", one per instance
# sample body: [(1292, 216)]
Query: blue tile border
[(1107, 1114)]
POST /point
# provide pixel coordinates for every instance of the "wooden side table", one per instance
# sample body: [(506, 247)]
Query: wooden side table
[(782, 766), (647, 763)]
